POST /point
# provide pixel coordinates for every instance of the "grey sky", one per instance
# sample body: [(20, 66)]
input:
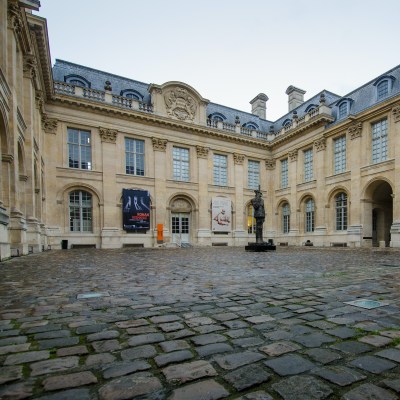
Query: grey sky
[(230, 51)]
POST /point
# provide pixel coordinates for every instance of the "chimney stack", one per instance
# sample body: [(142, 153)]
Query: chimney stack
[(296, 97), (259, 106)]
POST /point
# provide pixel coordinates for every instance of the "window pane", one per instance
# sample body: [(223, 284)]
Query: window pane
[(308, 165), (180, 164), (340, 154), (134, 156), (253, 174), (80, 211), (284, 173), (220, 170), (379, 141), (343, 110), (383, 89), (341, 212), (79, 149)]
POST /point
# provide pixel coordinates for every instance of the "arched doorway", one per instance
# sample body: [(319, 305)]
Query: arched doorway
[(181, 220), (379, 214)]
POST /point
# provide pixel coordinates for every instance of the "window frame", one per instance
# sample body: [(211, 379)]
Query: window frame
[(339, 154), (308, 157), (285, 173), (341, 211), (285, 218), (253, 174), (80, 210), (79, 149), (220, 171), (309, 206), (250, 220), (180, 164), (136, 155), (379, 142)]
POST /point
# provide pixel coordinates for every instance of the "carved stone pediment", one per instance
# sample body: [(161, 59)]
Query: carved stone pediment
[(181, 205), (108, 135), (180, 103)]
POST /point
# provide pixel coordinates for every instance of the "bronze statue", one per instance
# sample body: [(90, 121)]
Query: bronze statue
[(259, 214)]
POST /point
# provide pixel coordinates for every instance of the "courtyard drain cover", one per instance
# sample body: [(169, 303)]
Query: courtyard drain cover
[(92, 295), (365, 303)]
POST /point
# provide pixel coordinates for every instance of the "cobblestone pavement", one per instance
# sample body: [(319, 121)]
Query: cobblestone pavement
[(203, 324)]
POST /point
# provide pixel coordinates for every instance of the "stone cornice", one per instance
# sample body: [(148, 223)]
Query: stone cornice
[(202, 152), (108, 135)]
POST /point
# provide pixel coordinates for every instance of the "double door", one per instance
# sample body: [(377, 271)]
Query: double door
[(180, 223)]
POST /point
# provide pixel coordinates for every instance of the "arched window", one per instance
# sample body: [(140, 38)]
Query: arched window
[(251, 125), (217, 116), (77, 80), (251, 221), (341, 211), (80, 211), (310, 108), (285, 218), (343, 110), (384, 86), (310, 215), (287, 122), (131, 94)]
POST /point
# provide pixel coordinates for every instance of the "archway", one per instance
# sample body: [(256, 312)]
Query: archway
[(378, 213)]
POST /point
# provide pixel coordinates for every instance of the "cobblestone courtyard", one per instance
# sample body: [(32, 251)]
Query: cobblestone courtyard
[(200, 324)]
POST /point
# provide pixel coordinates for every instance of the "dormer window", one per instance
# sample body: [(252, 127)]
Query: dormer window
[(77, 80), (287, 122), (131, 94), (310, 108), (217, 117), (250, 125), (343, 108), (383, 86)]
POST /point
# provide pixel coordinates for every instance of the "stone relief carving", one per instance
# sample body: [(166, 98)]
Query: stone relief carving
[(320, 144), (396, 112), (293, 155), (202, 152), (159, 144), (14, 17), (49, 124), (29, 66), (238, 158), (108, 135), (180, 104), (355, 130), (270, 164), (181, 204)]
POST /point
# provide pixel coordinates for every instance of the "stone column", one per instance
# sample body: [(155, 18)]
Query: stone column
[(395, 127), (110, 233), (204, 231), (160, 181), (239, 233)]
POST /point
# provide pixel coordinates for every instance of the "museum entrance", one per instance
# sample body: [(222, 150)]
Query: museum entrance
[(180, 223), (379, 194)]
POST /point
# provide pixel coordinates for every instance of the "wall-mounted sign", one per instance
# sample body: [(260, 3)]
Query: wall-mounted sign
[(221, 214), (135, 210)]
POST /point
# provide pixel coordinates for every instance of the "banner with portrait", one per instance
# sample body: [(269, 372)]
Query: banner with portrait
[(221, 214), (135, 210)]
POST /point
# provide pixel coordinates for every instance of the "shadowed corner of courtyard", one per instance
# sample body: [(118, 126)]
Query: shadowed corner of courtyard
[(201, 323)]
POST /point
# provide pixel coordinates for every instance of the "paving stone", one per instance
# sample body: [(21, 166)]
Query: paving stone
[(193, 322), (314, 339), (22, 358), (204, 329), (289, 364), (214, 348), (172, 326), (390, 354), (180, 334), (392, 384), (141, 330), (124, 368), (302, 387), (279, 334), (53, 334), (368, 391), (132, 323), (144, 339), (247, 376), (54, 365), (279, 348), (165, 318), (225, 316), (94, 360), (300, 329), (208, 339), (323, 356), (43, 328), (72, 351), (205, 390), (9, 374), (339, 375), (69, 381), (14, 348), (104, 335), (259, 319), (390, 334), (90, 328), (13, 340), (248, 341), (236, 324), (104, 346), (375, 340), (236, 360), (258, 395), (182, 373), (13, 332), (325, 325), (373, 364), (145, 351), (351, 347), (342, 332), (174, 345), (237, 333), (16, 391), (60, 342), (173, 357)]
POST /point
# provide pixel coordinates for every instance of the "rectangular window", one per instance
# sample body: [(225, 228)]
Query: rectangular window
[(284, 174), (253, 177), (79, 149), (220, 170), (134, 157), (308, 165), (180, 164), (379, 141), (340, 154)]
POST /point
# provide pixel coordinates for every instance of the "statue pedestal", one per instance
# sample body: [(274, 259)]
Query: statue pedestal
[(265, 246)]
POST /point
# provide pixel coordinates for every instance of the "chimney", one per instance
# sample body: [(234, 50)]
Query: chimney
[(258, 105), (296, 97)]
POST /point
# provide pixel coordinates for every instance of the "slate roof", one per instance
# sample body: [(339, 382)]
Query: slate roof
[(361, 98)]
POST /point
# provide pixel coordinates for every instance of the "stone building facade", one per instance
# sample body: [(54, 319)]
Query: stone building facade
[(72, 138)]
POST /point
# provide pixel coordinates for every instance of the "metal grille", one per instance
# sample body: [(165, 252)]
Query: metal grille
[(340, 154), (181, 164), (220, 170), (308, 165), (79, 149), (379, 141), (134, 156), (253, 174)]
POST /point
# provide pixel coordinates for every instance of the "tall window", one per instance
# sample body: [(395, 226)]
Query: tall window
[(341, 211), (382, 89), (251, 221), (308, 165), (79, 149), (80, 211), (220, 170), (253, 177), (343, 110), (284, 173), (310, 215), (340, 154), (285, 218), (379, 141), (181, 163), (134, 156)]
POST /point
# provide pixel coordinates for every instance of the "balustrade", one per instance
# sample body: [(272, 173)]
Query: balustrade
[(93, 94), (64, 88), (121, 101)]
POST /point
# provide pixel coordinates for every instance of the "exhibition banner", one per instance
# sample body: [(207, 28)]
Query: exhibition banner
[(135, 210), (221, 214)]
